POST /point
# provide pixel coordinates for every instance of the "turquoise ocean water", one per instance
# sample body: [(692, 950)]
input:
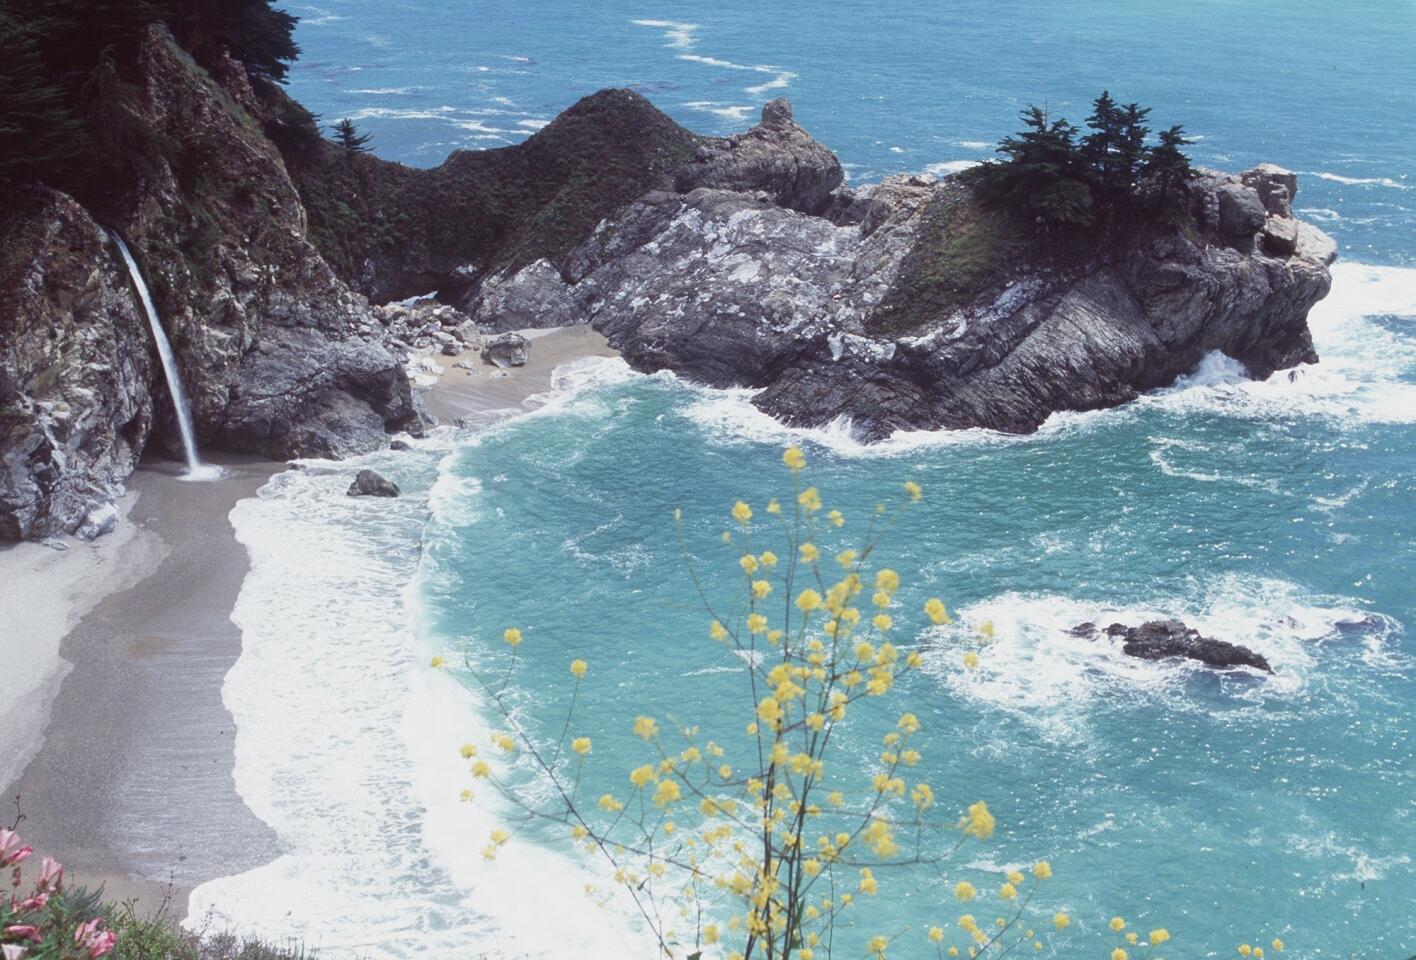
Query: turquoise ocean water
[(1277, 514)]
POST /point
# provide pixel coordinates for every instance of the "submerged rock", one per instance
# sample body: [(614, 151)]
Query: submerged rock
[(1164, 639), (370, 484), (507, 350)]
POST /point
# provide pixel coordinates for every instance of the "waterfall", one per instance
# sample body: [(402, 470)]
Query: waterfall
[(195, 467)]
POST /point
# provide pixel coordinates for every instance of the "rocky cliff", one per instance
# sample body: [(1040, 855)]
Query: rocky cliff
[(265, 334), (737, 261), (905, 305), (745, 261)]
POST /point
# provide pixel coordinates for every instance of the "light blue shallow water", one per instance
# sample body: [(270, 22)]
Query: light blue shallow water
[(1280, 515)]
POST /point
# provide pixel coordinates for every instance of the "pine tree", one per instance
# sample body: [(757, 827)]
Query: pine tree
[(38, 130), (1131, 148), (252, 31), (348, 136), (1167, 169), (1044, 174), (1100, 147)]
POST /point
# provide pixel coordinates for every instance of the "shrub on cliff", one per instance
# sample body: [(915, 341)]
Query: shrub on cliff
[(1108, 177)]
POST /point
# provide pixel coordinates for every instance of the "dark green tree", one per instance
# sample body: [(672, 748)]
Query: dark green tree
[(38, 130), (1101, 146), (1044, 175), (252, 31), (1167, 169), (348, 136), (1131, 149)]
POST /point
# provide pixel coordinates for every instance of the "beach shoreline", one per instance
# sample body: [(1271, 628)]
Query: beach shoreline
[(121, 752)]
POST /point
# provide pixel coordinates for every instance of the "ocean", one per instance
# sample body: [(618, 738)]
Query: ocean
[(1277, 514)]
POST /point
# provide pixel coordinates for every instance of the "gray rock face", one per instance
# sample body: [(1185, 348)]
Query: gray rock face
[(507, 350), (268, 342), (1166, 639), (367, 483), (777, 157), (732, 288), (533, 297), (76, 368)]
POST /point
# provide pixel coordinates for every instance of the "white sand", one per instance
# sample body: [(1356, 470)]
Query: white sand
[(44, 593)]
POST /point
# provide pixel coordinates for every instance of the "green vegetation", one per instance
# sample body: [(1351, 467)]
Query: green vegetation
[(962, 250), (52, 51), (495, 209), (349, 137), (1106, 178)]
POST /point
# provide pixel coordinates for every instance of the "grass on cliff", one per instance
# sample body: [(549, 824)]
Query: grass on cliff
[(962, 251), (497, 208)]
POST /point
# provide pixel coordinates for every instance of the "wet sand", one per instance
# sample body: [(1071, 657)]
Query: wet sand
[(122, 647)]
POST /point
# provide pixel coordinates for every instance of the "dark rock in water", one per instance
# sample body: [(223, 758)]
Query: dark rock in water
[(507, 350), (399, 445), (1163, 639), (370, 484), (1362, 626)]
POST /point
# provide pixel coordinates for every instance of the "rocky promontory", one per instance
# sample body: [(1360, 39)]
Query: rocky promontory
[(738, 261)]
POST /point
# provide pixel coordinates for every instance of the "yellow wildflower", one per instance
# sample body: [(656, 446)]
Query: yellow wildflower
[(768, 558), (1118, 954), (964, 891), (1117, 924), (845, 558), (646, 728), (908, 722), (1158, 937), (1042, 870), (913, 490), (748, 563), (580, 745), (794, 458), (809, 553), (808, 600), (810, 499), (468, 751), (667, 793), (971, 660), (742, 512), (1277, 944), (480, 769), (760, 589), (936, 611), (717, 631), (1008, 891), (578, 668), (1061, 921), (609, 804), (837, 518), (512, 636), (1245, 949), (936, 934), (639, 776), (980, 822)]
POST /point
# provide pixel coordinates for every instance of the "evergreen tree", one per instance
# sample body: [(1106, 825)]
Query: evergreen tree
[(1044, 174), (1100, 147), (252, 31), (1167, 169), (348, 136), (1131, 148), (38, 130)]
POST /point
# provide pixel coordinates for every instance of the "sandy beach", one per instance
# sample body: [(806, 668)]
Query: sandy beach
[(119, 751)]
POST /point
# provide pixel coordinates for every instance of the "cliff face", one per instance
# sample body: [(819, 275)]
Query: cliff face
[(906, 305), (738, 261), (265, 335)]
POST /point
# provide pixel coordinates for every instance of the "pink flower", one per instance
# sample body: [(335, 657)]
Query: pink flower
[(13, 951), (26, 930), (35, 902), (51, 874), (93, 939), (12, 848)]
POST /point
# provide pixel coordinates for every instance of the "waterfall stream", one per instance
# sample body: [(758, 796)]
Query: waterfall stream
[(195, 468)]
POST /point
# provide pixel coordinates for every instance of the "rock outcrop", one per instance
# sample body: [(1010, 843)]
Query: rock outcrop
[(368, 483), (507, 350), (266, 337), (1167, 639)]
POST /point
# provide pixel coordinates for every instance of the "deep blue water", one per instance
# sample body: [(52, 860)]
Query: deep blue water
[(1280, 515)]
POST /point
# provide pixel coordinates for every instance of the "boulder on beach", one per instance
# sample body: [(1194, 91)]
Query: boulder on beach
[(370, 484), (507, 350), (1164, 639)]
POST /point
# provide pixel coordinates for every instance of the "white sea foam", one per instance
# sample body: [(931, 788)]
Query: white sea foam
[(678, 34), (950, 166), (1360, 181), (1035, 668), (347, 742), (728, 111)]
